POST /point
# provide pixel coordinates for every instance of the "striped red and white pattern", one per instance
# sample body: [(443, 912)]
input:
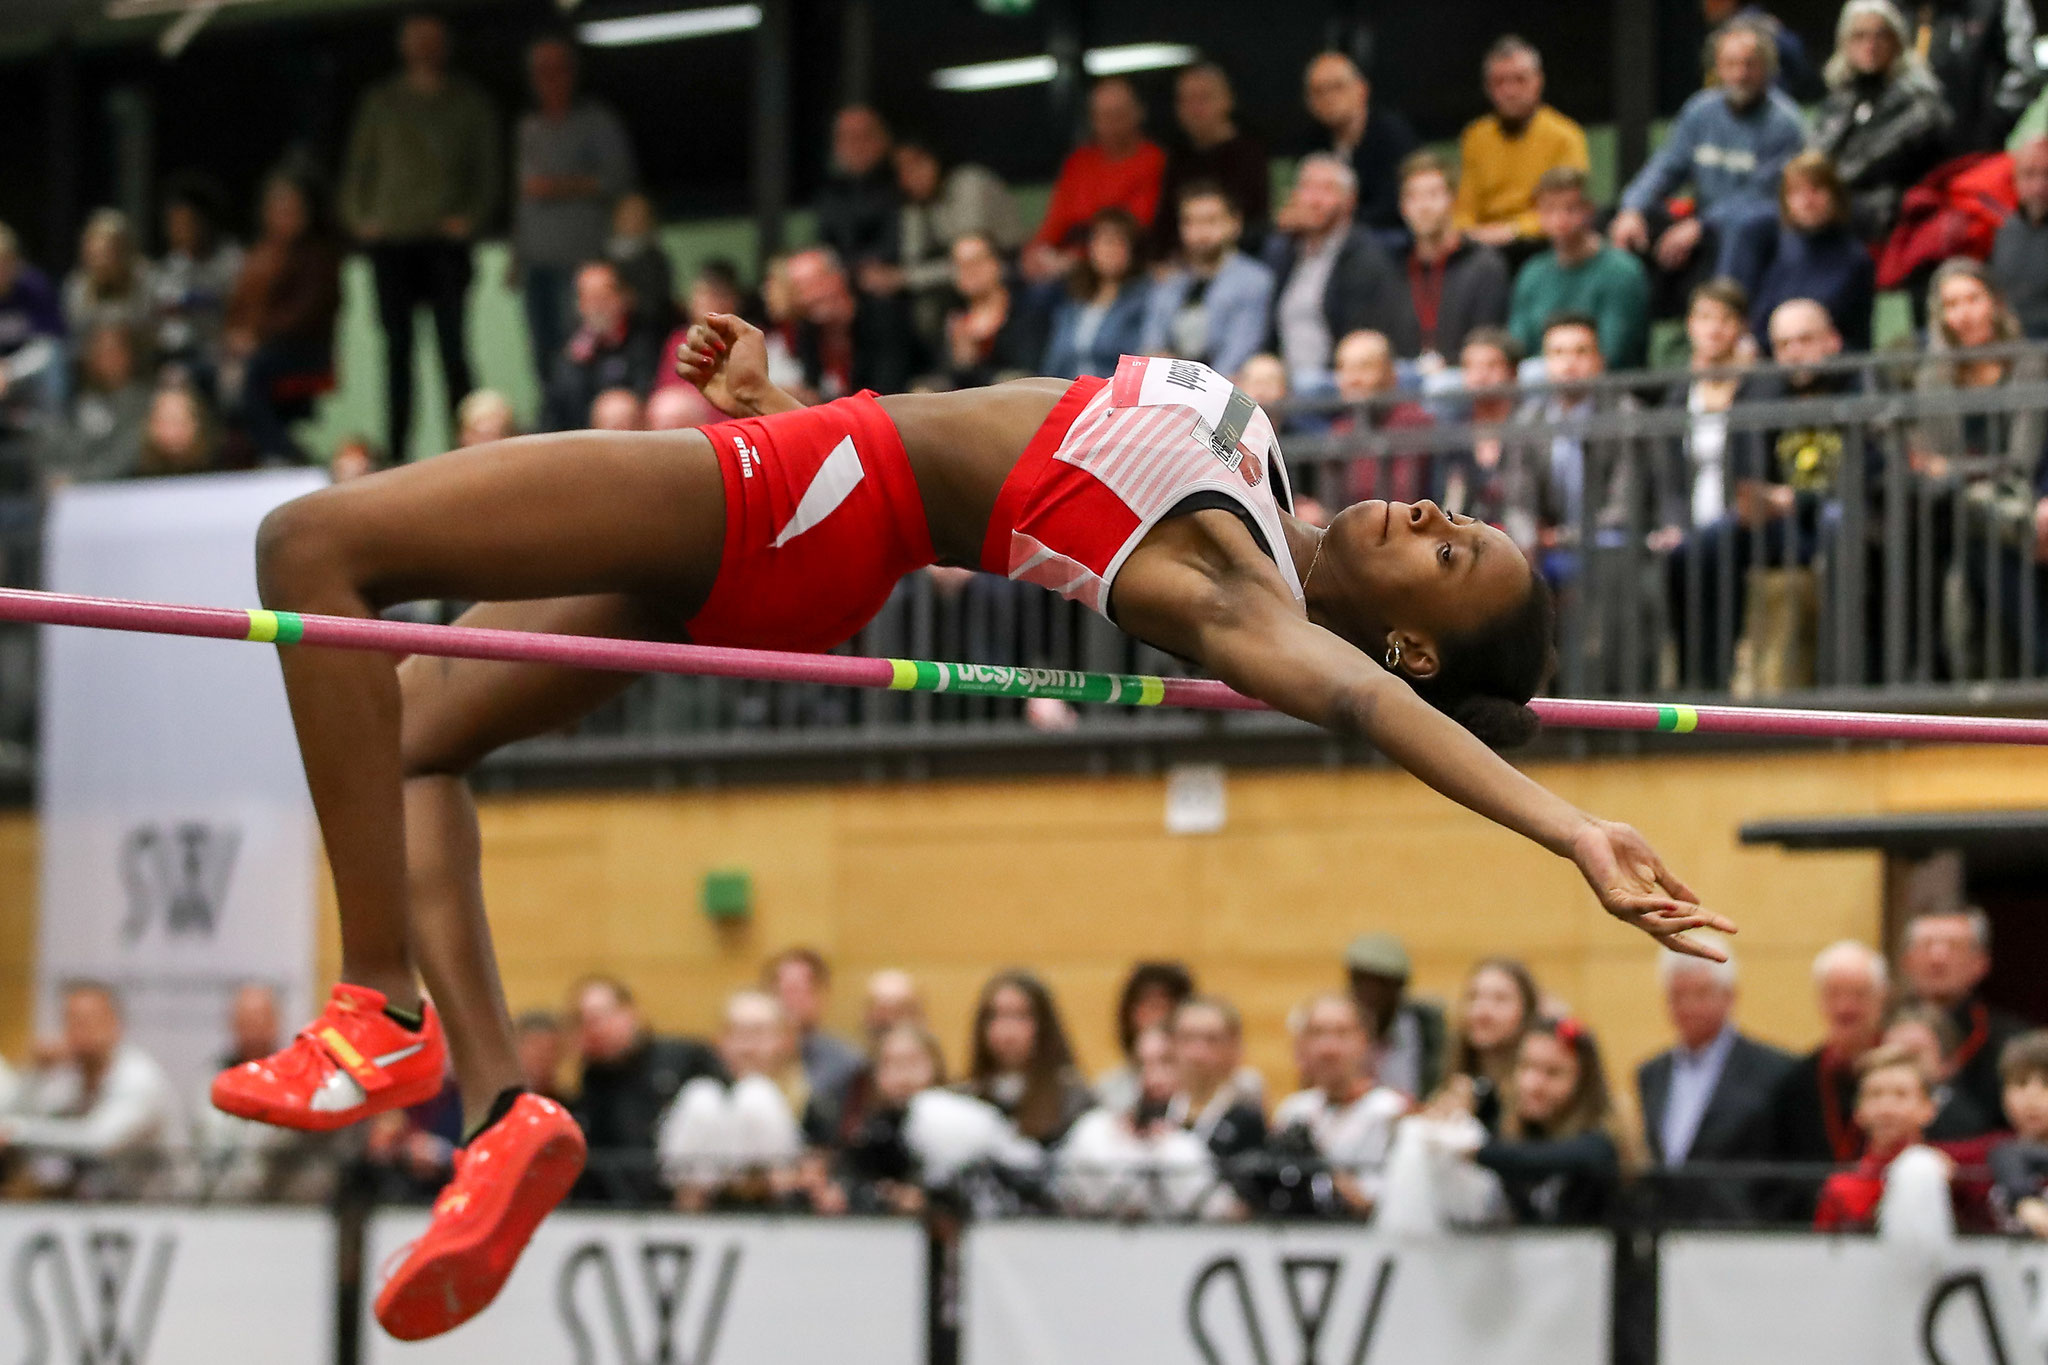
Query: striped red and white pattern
[(1137, 450)]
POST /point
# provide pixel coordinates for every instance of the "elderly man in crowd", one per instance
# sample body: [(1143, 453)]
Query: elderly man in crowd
[(98, 1118), (2019, 257), (1813, 1111), (1946, 957), (845, 342), (1372, 141), (1344, 1115), (1330, 277), (629, 1079)]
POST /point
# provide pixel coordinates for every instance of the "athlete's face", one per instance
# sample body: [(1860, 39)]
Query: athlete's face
[(1409, 573)]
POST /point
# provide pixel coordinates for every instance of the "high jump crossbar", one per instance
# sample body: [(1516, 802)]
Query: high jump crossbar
[(922, 675)]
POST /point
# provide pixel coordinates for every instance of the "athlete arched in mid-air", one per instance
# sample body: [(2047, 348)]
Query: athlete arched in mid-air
[(1158, 498)]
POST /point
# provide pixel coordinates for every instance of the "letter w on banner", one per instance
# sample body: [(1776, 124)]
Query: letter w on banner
[(178, 847)]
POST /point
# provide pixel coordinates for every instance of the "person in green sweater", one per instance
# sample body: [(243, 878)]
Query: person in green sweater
[(1581, 273), (422, 178)]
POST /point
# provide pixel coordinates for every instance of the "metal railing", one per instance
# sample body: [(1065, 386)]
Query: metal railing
[(1899, 571)]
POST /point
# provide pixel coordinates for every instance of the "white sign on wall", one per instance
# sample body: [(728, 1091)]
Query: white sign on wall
[(1802, 1299), (1091, 1294), (178, 845), (114, 1285), (624, 1289)]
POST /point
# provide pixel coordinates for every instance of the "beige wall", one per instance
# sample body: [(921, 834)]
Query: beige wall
[(1077, 878)]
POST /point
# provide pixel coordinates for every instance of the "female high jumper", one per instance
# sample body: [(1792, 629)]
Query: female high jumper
[(1157, 498)]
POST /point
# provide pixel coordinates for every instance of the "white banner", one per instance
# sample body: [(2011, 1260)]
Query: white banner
[(625, 1289), (1054, 1294), (118, 1285), (1802, 1299), (178, 845)]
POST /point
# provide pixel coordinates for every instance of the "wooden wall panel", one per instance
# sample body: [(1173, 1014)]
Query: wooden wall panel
[(17, 932)]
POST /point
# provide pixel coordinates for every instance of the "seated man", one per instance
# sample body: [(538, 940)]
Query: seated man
[(1580, 274), (1212, 309), (611, 349), (1330, 277), (1366, 377), (1345, 1118), (1503, 155), (1455, 283), (628, 1080)]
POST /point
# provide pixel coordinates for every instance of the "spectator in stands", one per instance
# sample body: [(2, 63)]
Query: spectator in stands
[(1454, 283), (1366, 379), (617, 410), (1213, 306), (2019, 258), (1330, 277), (574, 159), (1578, 481), (103, 439), (679, 407), (1708, 1096), (1556, 1154), (676, 403), (941, 208), (179, 436), (485, 416), (1809, 252), (1103, 315), (1021, 1062), (31, 339), (1730, 142), (1503, 155), (421, 181), (191, 283), (1931, 1036), (628, 1079), (1150, 995), (98, 1117), (1343, 1117), (844, 343), (1135, 1160), (610, 349), (1478, 482), (643, 265), (354, 455), (1211, 150), (858, 204), (1580, 274), (1264, 380), (1498, 1006), (1782, 487), (1408, 1053), (876, 1165), (1718, 348), (892, 999), (246, 1161), (1813, 1109), (1796, 75), (1885, 121), (1219, 1100), (112, 283), (1946, 957), (2019, 1166), (1373, 142), (537, 1035), (988, 334), (279, 329), (1982, 52), (1894, 1105), (1118, 167), (1969, 311), (740, 1139), (801, 980)]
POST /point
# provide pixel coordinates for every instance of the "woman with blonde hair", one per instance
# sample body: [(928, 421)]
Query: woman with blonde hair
[(1885, 120), (112, 284)]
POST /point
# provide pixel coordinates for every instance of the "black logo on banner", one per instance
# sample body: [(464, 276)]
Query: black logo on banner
[(1222, 1313), (177, 876), (102, 1312), (666, 1300), (1968, 1285)]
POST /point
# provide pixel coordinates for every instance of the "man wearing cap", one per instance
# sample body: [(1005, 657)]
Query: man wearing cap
[(1408, 1034)]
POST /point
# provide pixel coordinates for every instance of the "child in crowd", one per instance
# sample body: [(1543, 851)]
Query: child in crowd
[(2019, 1166), (1894, 1106)]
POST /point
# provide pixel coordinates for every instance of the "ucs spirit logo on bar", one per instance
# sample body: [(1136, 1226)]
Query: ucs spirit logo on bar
[(682, 1333), (176, 878), (90, 1298)]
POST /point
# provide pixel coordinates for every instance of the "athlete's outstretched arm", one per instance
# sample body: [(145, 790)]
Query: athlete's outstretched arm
[(727, 358), (1246, 629)]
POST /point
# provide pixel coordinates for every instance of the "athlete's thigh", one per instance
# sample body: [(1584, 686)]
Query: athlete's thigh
[(455, 711), (533, 517)]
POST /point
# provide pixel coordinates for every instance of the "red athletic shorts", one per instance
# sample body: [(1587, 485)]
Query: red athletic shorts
[(822, 517)]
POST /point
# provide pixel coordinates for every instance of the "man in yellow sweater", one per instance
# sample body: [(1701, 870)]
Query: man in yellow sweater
[(1504, 154)]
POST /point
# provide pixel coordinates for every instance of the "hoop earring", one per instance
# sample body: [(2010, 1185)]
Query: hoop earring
[(1394, 656)]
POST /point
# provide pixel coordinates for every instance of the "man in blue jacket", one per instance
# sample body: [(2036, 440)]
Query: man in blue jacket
[(1730, 142), (1213, 309)]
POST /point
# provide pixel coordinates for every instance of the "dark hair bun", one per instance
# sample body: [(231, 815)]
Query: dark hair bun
[(1498, 722)]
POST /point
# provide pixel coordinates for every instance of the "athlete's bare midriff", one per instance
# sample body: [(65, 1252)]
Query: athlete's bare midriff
[(962, 447)]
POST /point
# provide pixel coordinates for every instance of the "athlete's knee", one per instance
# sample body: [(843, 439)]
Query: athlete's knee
[(298, 552), (433, 740)]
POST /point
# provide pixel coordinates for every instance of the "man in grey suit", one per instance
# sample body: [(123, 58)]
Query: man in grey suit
[(1706, 1098)]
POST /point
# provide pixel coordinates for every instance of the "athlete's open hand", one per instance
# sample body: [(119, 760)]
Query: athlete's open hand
[(1635, 886), (727, 358)]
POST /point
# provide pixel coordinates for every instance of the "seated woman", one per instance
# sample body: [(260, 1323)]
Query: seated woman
[(989, 335), (279, 326), (1556, 1155), (1022, 1063), (1497, 1007), (1885, 121), (1102, 316), (1134, 1160), (1808, 252), (913, 1137), (1151, 993)]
